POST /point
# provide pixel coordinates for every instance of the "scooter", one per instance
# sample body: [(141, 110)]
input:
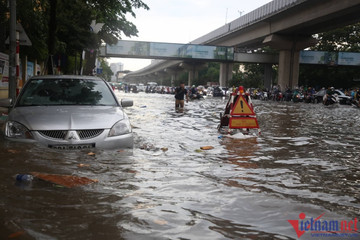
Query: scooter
[(196, 95), (264, 96), (330, 99)]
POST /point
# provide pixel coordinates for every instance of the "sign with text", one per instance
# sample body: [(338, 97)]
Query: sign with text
[(4, 70), (349, 58), (318, 57), (137, 49), (330, 58)]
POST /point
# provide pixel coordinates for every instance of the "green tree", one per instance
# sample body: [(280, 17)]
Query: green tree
[(63, 27), (248, 75), (346, 39), (106, 70), (31, 16), (209, 74), (3, 21)]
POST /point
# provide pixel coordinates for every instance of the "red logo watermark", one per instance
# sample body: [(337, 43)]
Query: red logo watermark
[(325, 228)]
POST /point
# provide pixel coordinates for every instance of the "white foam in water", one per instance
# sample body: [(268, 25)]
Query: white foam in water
[(241, 136)]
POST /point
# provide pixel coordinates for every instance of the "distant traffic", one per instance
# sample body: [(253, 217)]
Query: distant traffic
[(327, 96)]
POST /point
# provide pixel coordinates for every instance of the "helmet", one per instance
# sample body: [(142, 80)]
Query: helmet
[(241, 89)]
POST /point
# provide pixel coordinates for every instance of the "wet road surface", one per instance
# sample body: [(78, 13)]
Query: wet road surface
[(305, 161)]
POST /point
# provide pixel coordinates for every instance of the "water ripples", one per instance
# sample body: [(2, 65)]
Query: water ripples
[(305, 160)]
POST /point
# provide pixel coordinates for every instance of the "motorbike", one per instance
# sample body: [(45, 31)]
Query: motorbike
[(330, 99), (196, 95), (217, 92), (297, 97), (288, 95), (279, 96), (264, 96), (309, 98)]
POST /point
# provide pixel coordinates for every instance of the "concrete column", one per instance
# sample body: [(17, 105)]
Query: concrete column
[(289, 47), (226, 73), (193, 70), (22, 80), (288, 69), (191, 75), (268, 75), (161, 76), (173, 79)]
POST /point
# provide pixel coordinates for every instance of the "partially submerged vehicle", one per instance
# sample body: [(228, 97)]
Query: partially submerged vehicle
[(69, 112), (239, 115)]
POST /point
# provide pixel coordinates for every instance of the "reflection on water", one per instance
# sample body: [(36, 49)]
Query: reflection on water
[(306, 160)]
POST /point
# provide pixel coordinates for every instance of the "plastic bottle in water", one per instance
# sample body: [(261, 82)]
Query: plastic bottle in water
[(24, 178)]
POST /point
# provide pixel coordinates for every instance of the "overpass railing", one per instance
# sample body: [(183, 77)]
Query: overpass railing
[(258, 14)]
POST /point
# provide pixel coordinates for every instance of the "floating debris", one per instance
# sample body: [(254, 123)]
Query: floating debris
[(207, 148), (64, 180), (83, 165)]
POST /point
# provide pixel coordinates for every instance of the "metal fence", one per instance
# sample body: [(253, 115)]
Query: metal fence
[(261, 13)]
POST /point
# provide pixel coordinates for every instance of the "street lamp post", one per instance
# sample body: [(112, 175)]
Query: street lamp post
[(12, 57)]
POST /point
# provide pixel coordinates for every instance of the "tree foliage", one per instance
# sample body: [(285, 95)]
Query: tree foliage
[(346, 39), (248, 75), (106, 70), (32, 17), (209, 74), (63, 26)]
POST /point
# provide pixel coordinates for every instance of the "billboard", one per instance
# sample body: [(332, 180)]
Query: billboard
[(318, 57), (4, 70), (137, 49), (29, 70), (330, 58), (349, 58)]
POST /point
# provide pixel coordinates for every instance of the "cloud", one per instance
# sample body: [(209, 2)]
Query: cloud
[(181, 21)]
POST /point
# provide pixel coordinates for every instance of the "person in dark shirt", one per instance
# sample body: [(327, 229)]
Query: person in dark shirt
[(180, 93)]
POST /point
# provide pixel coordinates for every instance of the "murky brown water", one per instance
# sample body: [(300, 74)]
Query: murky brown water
[(305, 161)]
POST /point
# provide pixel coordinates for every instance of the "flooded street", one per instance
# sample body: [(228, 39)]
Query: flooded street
[(305, 161)]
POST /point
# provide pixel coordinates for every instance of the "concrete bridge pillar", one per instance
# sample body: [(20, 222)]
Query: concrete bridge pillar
[(288, 69), (191, 75), (173, 74), (161, 75), (226, 73), (173, 79), (289, 46), (268, 75), (193, 70)]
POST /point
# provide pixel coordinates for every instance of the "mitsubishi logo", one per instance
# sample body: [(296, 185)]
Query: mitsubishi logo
[(72, 135)]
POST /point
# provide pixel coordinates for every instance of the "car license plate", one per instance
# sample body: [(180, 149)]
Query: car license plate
[(72, 146)]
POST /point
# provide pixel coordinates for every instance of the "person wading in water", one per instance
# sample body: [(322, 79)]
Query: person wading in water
[(180, 92)]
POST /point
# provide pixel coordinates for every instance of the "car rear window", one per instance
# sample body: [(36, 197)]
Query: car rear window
[(66, 92)]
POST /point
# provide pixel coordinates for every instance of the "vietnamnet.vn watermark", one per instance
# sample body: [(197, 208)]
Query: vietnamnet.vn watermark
[(320, 228)]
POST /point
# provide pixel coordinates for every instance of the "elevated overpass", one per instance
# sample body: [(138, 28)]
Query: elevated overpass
[(284, 25)]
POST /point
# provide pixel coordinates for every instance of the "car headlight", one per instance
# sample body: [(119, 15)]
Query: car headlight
[(17, 130), (120, 128)]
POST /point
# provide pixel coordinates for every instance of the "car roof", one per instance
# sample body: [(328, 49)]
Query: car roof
[(67, 77)]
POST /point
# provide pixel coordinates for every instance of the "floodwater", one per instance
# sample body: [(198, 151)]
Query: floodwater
[(306, 160)]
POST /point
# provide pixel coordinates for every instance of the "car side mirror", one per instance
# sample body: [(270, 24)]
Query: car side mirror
[(5, 102), (127, 103)]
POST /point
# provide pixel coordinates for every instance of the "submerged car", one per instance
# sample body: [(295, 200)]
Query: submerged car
[(69, 112), (343, 99)]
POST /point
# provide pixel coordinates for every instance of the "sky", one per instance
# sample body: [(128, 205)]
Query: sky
[(181, 21)]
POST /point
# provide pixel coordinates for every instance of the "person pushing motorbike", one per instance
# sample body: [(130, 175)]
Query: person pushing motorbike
[(180, 92)]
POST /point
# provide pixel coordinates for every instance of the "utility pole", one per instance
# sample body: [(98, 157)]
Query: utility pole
[(226, 15), (12, 57)]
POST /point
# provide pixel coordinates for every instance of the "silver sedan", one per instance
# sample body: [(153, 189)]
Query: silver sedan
[(69, 112)]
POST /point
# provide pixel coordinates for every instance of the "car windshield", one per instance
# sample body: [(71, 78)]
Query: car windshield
[(66, 92)]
